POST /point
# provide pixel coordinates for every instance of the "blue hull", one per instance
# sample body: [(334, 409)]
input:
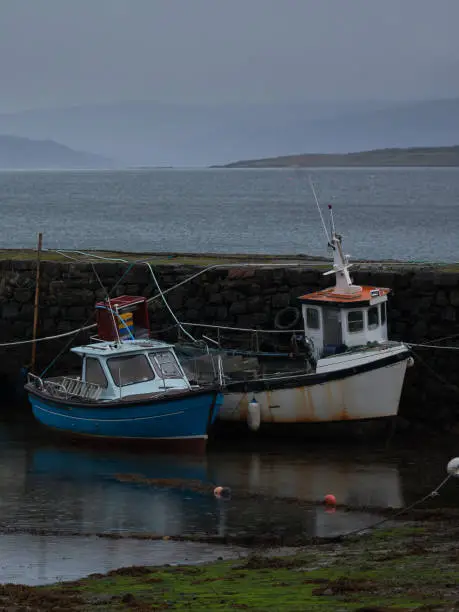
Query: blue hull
[(175, 419)]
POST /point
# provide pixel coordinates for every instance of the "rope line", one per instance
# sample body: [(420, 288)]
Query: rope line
[(433, 346), (423, 499), (155, 280)]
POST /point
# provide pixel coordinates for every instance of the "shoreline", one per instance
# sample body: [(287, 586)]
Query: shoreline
[(410, 566)]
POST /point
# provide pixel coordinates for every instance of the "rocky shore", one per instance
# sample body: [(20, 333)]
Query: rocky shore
[(400, 567)]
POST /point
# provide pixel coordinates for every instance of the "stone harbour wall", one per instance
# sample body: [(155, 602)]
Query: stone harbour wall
[(423, 307)]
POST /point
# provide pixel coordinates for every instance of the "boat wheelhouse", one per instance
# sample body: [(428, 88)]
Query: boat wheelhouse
[(129, 388)]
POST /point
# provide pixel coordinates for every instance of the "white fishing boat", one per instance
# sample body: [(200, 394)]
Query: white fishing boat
[(353, 372)]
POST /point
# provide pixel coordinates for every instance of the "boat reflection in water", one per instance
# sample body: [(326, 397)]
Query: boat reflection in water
[(119, 492), (85, 492)]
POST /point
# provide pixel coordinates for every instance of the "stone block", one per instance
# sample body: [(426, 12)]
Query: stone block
[(48, 327), (194, 303), (454, 297), (280, 300), (448, 313), (27, 312), (106, 270), (419, 331), (192, 315), (57, 286), (293, 277), (255, 304), (23, 266), (216, 298), (210, 312), (238, 308), (445, 279), (64, 326), (23, 295), (253, 289), (10, 310), (80, 269), (76, 297), (252, 321), (75, 313), (239, 273), (230, 296), (137, 275), (441, 298), (222, 313)]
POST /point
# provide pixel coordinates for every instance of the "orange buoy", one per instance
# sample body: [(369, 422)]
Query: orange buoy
[(222, 492), (330, 500)]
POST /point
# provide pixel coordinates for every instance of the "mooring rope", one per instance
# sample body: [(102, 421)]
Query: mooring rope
[(420, 501), (432, 346)]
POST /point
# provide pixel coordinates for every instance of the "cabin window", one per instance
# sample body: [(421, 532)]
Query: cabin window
[(383, 313), (95, 373), (355, 321), (312, 318), (169, 367), (130, 370), (373, 317)]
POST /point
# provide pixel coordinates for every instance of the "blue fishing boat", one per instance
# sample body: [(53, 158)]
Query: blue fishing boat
[(130, 387)]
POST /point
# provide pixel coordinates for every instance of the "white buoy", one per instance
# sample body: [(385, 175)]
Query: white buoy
[(453, 467), (253, 415)]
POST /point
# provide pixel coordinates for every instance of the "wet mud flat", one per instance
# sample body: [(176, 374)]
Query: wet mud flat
[(400, 566)]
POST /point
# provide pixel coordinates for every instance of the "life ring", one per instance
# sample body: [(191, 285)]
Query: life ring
[(287, 318)]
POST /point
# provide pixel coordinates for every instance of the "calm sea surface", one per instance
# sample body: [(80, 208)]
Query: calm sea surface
[(406, 214)]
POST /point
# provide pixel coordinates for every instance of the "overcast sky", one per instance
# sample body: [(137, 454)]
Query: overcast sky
[(61, 52)]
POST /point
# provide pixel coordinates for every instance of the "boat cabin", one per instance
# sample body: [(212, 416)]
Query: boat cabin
[(128, 369), (346, 315), (122, 361)]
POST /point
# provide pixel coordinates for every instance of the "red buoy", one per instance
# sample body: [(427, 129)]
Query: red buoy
[(330, 500)]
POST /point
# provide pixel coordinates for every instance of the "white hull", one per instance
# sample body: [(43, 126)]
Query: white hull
[(369, 394)]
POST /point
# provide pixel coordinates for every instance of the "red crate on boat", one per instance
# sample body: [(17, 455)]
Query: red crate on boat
[(124, 317)]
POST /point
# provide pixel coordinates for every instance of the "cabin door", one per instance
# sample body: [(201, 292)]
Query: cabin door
[(333, 334)]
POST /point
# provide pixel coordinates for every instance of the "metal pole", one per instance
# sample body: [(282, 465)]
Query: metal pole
[(35, 306)]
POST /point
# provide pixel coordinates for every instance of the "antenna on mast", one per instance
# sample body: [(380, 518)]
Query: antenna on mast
[(341, 263), (318, 208), (332, 221)]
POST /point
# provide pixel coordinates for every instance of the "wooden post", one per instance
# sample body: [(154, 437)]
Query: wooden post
[(35, 306)]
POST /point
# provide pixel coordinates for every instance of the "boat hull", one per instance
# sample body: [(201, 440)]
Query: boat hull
[(169, 422), (370, 390)]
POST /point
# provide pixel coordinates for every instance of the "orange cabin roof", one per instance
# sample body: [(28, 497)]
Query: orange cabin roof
[(332, 295)]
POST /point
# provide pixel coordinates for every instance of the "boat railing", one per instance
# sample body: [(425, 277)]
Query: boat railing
[(66, 387), (81, 388)]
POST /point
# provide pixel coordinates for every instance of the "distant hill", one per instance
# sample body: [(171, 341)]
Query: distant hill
[(415, 156), (146, 133), (25, 154)]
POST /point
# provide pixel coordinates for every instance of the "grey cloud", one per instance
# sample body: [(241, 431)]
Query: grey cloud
[(61, 52)]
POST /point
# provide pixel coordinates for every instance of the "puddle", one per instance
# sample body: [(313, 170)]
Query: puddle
[(29, 559)]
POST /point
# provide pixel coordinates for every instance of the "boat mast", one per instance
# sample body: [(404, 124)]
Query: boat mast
[(341, 265)]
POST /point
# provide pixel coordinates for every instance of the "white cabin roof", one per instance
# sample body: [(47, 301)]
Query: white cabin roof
[(102, 349)]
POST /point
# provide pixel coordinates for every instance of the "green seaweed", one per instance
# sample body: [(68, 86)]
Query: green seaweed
[(410, 567)]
